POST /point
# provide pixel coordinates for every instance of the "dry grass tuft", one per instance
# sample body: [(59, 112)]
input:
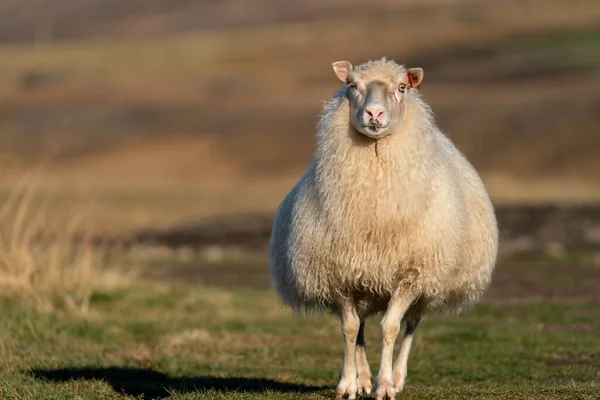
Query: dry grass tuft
[(48, 265)]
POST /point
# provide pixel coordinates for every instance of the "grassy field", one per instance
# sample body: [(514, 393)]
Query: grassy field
[(200, 335), (147, 103)]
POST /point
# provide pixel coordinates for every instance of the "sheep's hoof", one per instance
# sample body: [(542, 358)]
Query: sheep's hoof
[(364, 383), (346, 389), (385, 391)]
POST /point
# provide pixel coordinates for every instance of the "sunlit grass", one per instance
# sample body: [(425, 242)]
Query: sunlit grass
[(47, 264), (184, 342)]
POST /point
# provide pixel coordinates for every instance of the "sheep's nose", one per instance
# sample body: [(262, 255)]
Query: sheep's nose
[(375, 112)]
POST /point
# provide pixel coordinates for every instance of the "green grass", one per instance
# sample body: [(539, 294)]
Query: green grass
[(184, 342)]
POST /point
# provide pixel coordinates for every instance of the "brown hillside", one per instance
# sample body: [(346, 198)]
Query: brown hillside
[(129, 93)]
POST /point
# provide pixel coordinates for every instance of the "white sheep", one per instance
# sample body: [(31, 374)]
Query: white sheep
[(390, 217)]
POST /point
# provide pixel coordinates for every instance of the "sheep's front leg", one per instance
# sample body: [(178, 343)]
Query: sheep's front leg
[(364, 372), (347, 387), (390, 325), (400, 366)]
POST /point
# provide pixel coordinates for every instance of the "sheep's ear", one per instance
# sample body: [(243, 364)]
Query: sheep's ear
[(342, 70), (415, 77)]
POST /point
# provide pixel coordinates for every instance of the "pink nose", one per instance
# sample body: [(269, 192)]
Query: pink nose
[(376, 113)]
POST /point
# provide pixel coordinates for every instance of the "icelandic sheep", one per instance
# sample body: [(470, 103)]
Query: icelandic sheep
[(389, 218)]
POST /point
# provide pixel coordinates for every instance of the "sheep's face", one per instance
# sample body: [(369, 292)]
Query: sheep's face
[(377, 93)]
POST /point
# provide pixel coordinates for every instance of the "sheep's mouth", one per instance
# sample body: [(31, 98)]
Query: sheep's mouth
[(374, 129)]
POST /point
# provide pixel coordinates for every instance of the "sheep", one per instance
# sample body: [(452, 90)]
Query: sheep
[(389, 218)]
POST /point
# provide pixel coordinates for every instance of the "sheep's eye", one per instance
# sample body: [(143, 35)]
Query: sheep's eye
[(402, 87), (352, 85)]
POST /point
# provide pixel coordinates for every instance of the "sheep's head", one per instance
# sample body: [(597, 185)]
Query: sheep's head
[(377, 91)]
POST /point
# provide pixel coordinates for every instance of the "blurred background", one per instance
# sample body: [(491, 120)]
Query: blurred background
[(185, 123), (166, 111)]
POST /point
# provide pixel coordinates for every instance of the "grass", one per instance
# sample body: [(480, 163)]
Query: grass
[(178, 341), (48, 265)]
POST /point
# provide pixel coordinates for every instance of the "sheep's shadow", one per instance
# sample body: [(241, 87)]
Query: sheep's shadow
[(156, 385)]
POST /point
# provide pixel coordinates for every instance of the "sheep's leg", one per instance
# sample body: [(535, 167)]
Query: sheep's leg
[(400, 366), (390, 325), (347, 387), (364, 372)]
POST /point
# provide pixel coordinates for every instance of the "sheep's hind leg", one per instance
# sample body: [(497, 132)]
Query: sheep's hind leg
[(364, 372), (348, 386), (390, 325), (400, 366)]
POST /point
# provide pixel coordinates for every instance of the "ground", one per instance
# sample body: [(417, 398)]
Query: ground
[(157, 100), (195, 334)]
